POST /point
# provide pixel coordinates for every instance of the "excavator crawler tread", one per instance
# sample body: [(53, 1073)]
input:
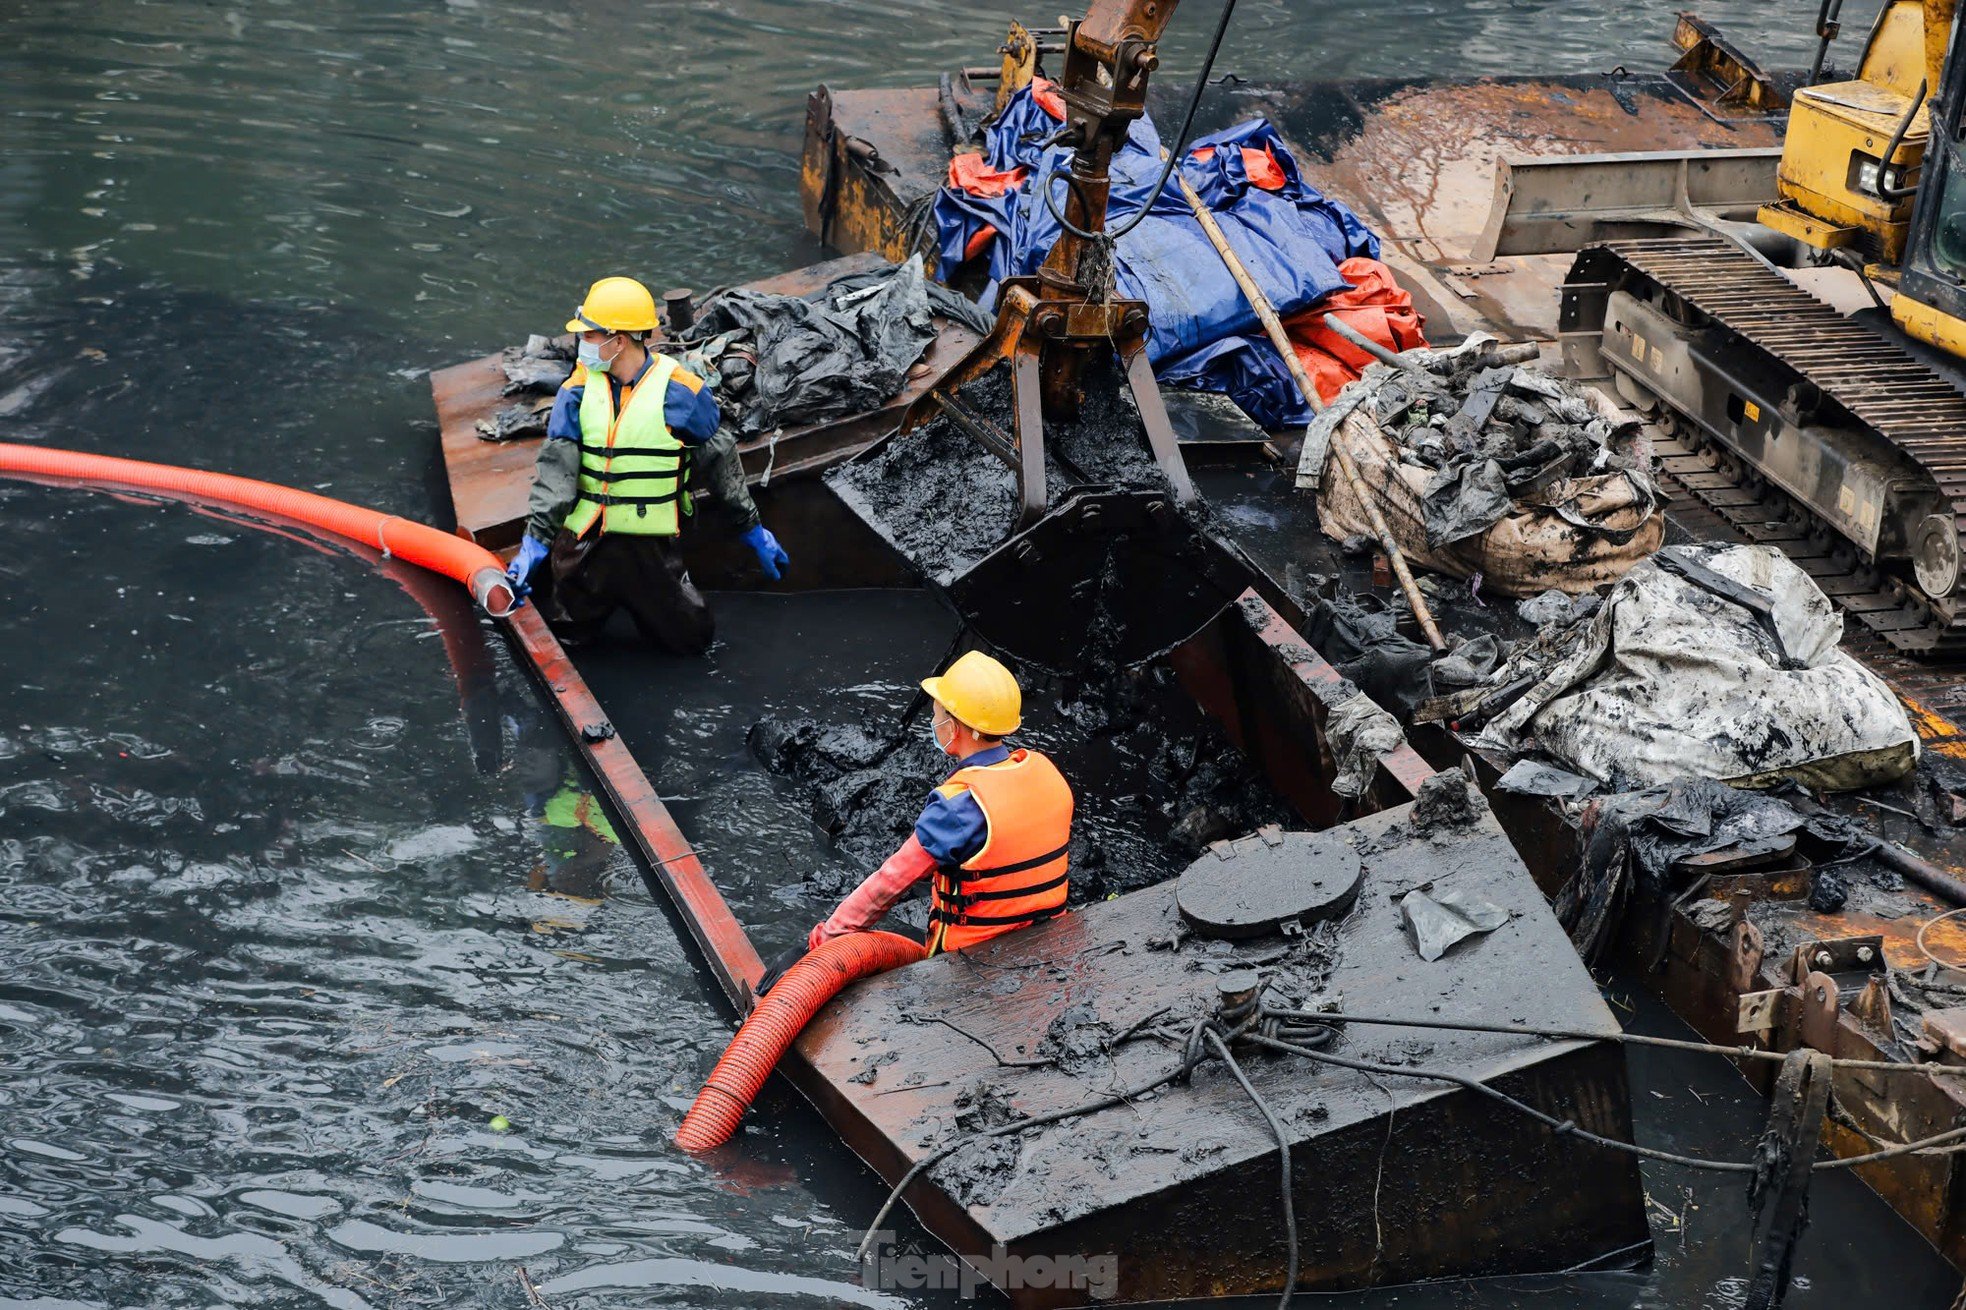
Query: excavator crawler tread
[(1882, 386)]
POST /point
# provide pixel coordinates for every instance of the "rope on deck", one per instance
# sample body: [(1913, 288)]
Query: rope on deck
[(1303, 1032)]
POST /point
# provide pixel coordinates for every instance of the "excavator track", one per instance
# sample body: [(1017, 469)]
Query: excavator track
[(1795, 345)]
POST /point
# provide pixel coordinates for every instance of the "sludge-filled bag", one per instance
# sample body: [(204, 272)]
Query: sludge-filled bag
[(1709, 661), (1489, 468)]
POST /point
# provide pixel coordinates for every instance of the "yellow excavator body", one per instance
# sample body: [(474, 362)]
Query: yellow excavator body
[(1852, 155)]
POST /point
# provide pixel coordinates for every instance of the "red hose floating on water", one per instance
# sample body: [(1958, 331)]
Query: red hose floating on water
[(469, 563), (782, 1013)]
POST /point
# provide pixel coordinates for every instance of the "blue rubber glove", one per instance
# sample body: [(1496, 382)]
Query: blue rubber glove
[(531, 551), (772, 558)]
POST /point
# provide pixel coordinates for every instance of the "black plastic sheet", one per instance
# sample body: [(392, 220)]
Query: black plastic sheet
[(1638, 836), (1465, 500), (1367, 647), (844, 350)]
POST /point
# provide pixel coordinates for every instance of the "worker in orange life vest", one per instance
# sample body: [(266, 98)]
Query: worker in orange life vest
[(994, 838)]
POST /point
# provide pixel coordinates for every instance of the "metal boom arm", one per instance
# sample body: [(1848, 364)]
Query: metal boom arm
[(1048, 325)]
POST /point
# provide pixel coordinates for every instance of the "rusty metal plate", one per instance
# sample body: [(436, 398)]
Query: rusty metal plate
[(1835, 955), (1269, 881), (1820, 1003), (1755, 1012), (1948, 1029), (1744, 959)]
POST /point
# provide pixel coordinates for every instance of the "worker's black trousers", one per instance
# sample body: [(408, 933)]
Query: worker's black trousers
[(598, 574)]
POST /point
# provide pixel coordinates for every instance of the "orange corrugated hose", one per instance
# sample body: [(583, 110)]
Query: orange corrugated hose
[(780, 1016), (469, 563)]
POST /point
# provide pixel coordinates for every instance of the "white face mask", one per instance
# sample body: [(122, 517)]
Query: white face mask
[(591, 358)]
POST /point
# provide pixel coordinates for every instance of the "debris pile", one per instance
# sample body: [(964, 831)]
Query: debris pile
[(535, 372), (1363, 642), (941, 498), (1482, 464), (1446, 801), (945, 501), (780, 361), (773, 361), (1637, 839), (1154, 786)]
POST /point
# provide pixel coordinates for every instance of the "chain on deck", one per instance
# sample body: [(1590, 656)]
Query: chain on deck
[(1877, 382)]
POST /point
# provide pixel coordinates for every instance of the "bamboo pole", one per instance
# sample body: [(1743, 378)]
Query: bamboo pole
[(1281, 340)]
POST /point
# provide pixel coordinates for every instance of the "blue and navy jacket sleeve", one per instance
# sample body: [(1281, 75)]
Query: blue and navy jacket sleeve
[(952, 827), (690, 408), (563, 424)]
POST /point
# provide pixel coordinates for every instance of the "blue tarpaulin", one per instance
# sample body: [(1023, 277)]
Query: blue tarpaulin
[(1248, 370), (1202, 331)]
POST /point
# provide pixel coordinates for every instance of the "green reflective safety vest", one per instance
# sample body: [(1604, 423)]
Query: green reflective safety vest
[(574, 809), (634, 475)]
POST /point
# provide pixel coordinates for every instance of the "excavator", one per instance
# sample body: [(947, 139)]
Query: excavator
[(1100, 554), (1848, 427)]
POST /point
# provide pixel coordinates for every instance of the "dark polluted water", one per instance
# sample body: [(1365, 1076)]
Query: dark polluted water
[(290, 905)]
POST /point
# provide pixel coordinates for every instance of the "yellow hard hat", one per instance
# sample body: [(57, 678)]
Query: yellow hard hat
[(615, 304), (981, 693)]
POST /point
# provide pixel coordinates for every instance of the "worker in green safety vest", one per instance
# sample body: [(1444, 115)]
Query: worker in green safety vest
[(570, 823), (578, 841), (611, 488)]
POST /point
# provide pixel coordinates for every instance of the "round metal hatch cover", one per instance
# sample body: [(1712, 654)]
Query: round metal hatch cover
[(1256, 884)]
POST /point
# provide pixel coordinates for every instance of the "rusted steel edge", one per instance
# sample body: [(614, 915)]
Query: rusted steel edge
[(1404, 765), (725, 946), (1924, 1191)]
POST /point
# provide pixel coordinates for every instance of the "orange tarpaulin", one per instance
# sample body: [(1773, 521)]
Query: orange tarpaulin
[(1376, 306), (1265, 173), (1049, 97), (979, 241), (968, 172)]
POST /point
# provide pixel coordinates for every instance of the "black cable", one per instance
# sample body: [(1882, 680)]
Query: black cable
[(1254, 1022), (1827, 30), (1950, 1142), (1173, 158), (1587, 1035), (1884, 190), (1563, 1127), (1283, 1164)]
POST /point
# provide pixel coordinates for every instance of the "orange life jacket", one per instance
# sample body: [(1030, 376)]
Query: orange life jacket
[(1019, 877)]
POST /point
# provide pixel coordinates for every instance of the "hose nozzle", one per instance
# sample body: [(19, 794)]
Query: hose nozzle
[(493, 592)]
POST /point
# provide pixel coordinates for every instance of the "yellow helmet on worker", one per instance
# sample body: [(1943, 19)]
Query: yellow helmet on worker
[(615, 304), (980, 693)]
